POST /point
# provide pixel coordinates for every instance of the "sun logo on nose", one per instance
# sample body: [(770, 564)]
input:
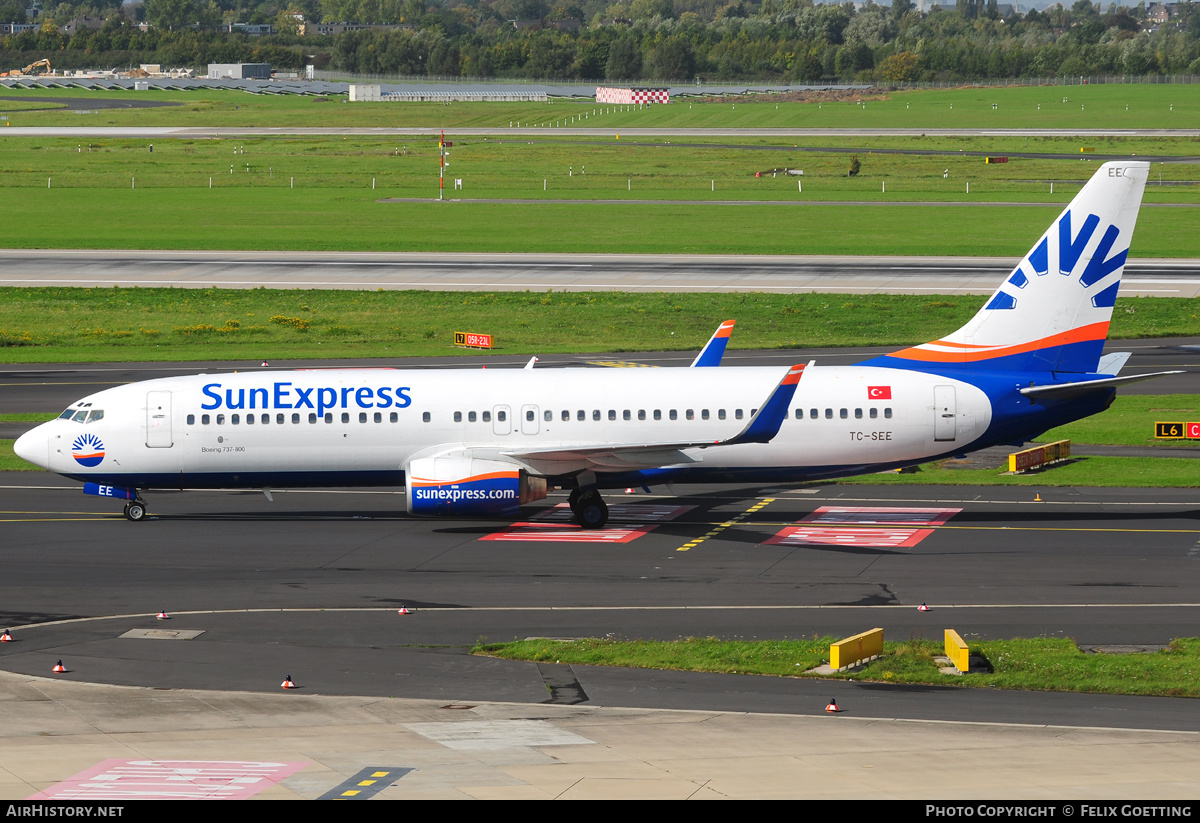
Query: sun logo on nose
[(87, 450)]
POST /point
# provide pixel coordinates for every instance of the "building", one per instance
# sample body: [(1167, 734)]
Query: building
[(239, 71)]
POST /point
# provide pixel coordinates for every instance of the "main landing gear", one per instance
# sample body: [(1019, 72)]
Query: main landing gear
[(135, 510), (589, 508)]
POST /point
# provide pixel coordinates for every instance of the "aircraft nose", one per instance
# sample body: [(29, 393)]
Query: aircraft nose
[(31, 447)]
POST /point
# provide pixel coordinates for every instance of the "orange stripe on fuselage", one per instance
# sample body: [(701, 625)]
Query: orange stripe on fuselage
[(1095, 331), (474, 479)]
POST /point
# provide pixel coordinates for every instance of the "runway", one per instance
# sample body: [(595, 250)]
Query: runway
[(540, 272), (309, 587)]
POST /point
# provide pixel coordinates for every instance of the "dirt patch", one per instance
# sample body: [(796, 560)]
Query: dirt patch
[(806, 96)]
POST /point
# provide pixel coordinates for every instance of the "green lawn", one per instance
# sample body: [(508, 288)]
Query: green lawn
[(1059, 107), (112, 324), (1030, 664)]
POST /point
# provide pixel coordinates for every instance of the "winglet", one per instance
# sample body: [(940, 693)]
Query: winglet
[(765, 423), (714, 350)]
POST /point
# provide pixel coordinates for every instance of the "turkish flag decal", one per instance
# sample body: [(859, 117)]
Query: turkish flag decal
[(879, 392)]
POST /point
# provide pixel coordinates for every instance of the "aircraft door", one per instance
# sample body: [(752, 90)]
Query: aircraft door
[(529, 420), (501, 420), (944, 413), (158, 420)]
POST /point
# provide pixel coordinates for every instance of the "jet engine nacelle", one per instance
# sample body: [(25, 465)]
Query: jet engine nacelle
[(467, 486)]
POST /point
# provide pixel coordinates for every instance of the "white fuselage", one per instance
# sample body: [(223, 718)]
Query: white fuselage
[(360, 426)]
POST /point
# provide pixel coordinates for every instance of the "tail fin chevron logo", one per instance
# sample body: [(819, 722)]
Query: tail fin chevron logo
[(87, 450), (1037, 321)]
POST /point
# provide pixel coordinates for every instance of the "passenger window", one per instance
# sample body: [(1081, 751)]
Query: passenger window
[(395, 416), (674, 415), (328, 417), (704, 414), (813, 414), (312, 417), (547, 415), (858, 414), (581, 415), (470, 417), (799, 414), (220, 420), (887, 413), (425, 417), (501, 416), (641, 414), (595, 414), (720, 414), (874, 413), (566, 415), (737, 414), (191, 419), (378, 417), (690, 415), (204, 418), (842, 413), (345, 417), (829, 414), (626, 415), (295, 418), (458, 417), (612, 414), (529, 416), (249, 419), (362, 417), (658, 414), (487, 417), (235, 418)]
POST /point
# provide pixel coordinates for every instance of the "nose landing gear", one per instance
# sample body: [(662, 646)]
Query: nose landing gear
[(135, 510)]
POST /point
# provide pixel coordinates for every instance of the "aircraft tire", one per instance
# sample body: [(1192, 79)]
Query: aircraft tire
[(591, 511), (573, 501), (135, 511)]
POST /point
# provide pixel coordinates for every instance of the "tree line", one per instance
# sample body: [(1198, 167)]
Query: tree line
[(795, 41)]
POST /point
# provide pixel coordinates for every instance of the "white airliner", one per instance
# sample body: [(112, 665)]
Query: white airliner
[(485, 441)]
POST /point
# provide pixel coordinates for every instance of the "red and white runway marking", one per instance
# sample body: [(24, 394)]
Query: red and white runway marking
[(553, 525), (170, 780), (844, 526)]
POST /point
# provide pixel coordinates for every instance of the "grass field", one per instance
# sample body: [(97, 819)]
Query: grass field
[(112, 324), (326, 194), (1030, 664), (1058, 107)]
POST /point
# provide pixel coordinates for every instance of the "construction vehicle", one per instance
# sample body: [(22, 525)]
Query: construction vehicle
[(28, 70)]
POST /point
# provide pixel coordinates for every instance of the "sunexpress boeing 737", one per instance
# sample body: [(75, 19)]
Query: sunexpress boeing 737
[(485, 441)]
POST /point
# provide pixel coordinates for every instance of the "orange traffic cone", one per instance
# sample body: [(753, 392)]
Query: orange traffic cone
[(6, 637), (287, 683), (59, 668), (162, 616), (403, 610), (832, 708), (922, 608)]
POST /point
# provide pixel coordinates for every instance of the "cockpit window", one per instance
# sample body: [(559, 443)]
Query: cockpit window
[(96, 414), (80, 416), (67, 415)]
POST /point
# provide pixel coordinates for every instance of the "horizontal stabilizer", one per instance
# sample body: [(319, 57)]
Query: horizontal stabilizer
[(1113, 363), (1061, 391)]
